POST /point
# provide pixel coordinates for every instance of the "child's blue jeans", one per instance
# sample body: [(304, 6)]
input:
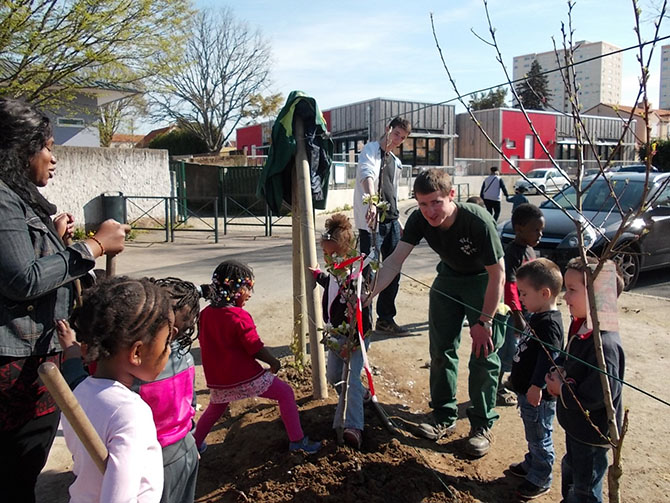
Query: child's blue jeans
[(538, 425), (354, 414), (582, 472)]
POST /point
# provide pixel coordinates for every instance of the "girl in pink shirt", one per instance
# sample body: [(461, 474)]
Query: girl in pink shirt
[(230, 349)]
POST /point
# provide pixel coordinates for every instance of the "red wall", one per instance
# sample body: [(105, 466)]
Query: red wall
[(515, 128), (248, 136), (326, 116)]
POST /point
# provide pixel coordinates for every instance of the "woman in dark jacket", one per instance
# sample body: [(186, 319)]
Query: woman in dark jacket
[(36, 289)]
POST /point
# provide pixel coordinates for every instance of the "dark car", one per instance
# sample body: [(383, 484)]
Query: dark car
[(646, 241), (631, 168)]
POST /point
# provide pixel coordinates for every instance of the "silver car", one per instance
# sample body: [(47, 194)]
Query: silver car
[(545, 179)]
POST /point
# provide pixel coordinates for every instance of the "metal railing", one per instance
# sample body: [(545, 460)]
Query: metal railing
[(173, 220)]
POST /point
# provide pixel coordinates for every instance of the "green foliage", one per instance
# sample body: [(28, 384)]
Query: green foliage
[(661, 154), (263, 106), (534, 90), (179, 142), (50, 49), (492, 99)]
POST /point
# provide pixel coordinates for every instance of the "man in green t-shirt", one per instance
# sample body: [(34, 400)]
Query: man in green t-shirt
[(469, 283)]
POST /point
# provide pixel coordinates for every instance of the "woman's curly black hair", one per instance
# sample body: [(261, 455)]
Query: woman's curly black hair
[(24, 131), (118, 312), (185, 296), (227, 281)]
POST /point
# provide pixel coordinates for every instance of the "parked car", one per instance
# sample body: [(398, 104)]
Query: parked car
[(545, 179), (644, 245), (631, 168)]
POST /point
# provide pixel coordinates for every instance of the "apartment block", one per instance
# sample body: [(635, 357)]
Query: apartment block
[(599, 78), (664, 98)]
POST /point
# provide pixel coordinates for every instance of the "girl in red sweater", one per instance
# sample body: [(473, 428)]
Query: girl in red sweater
[(231, 348)]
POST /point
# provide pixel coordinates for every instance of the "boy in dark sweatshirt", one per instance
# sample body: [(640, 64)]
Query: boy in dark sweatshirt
[(539, 283), (585, 462)]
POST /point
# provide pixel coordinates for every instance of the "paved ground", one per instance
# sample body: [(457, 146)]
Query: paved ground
[(195, 256)]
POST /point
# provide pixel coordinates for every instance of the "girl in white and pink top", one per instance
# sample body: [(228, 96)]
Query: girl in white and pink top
[(126, 326)]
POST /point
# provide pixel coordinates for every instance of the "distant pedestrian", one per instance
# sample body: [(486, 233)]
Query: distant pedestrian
[(518, 198), (490, 192)]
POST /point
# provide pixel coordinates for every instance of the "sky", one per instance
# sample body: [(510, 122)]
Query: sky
[(348, 51)]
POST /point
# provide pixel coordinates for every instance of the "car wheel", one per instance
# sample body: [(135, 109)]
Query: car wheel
[(629, 264), (540, 189)]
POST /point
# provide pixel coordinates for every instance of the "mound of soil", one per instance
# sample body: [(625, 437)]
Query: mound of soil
[(248, 459)]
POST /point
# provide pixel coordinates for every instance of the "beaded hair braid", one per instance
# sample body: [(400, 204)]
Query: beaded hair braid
[(227, 281), (118, 312)]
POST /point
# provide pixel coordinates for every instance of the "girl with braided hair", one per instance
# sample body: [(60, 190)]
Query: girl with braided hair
[(171, 395), (230, 348), (126, 326)]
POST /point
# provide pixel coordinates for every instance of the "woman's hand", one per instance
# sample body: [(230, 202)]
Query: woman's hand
[(64, 223), (111, 237)]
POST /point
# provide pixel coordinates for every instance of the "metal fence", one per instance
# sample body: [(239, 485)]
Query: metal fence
[(173, 220)]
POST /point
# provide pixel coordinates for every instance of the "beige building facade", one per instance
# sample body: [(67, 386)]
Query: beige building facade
[(599, 78)]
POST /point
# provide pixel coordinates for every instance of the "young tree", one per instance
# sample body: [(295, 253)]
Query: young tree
[(50, 48), (533, 92), (492, 99), (613, 247), (224, 68)]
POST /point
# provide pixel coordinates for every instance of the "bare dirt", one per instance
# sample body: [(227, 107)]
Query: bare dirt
[(247, 459)]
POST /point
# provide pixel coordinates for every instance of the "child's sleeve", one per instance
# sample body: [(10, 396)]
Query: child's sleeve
[(512, 296), (130, 428), (250, 339), (551, 333), (588, 389)]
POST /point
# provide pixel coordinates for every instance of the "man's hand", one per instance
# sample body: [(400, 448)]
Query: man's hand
[(534, 395), (371, 216), (481, 340)]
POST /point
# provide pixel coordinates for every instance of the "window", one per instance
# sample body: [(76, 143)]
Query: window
[(510, 143), (70, 122), (420, 151)]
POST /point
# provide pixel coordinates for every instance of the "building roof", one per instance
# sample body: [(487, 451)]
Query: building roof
[(144, 142), (127, 138)]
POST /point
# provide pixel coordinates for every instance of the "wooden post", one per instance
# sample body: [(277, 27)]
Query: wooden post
[(308, 249), (65, 399), (111, 266), (299, 298)]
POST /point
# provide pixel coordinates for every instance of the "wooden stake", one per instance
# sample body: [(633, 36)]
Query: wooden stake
[(111, 265), (78, 419), (308, 249), (299, 299)]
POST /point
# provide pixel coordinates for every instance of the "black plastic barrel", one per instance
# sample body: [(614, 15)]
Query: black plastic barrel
[(114, 206)]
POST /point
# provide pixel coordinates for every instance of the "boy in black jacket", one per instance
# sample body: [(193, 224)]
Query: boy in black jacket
[(539, 283), (585, 463)]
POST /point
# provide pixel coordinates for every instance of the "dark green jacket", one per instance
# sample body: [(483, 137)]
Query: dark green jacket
[(275, 182)]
